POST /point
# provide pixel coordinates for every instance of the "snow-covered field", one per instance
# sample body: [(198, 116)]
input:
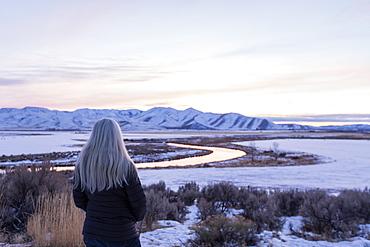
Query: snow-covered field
[(33, 142), (346, 165), (175, 233)]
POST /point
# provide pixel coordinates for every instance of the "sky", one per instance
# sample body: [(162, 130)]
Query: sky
[(287, 60)]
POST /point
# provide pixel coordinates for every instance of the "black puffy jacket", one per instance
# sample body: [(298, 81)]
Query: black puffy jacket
[(111, 214)]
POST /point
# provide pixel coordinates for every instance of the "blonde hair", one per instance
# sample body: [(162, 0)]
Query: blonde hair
[(104, 162)]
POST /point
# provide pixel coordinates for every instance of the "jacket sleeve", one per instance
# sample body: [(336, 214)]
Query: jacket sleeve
[(136, 198), (80, 199)]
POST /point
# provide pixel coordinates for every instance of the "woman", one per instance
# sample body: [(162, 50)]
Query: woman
[(108, 189)]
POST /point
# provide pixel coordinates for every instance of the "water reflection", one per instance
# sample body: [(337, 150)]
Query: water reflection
[(218, 154)]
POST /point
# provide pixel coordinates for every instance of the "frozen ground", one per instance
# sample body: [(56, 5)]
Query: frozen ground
[(349, 167), (25, 142), (32, 142), (175, 233)]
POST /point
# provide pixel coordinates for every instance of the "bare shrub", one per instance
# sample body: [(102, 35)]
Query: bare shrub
[(286, 203), (159, 207), (275, 150), (188, 193), (160, 188), (155, 206), (20, 188), (355, 205), (3, 205), (253, 151), (183, 211), (244, 193), (206, 209), (224, 193), (323, 214), (222, 231), (156, 187), (14, 239), (56, 221), (254, 203)]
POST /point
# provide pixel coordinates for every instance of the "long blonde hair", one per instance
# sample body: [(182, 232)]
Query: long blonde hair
[(104, 162)]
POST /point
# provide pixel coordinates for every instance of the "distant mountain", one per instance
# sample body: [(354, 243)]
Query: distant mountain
[(158, 118), (350, 127)]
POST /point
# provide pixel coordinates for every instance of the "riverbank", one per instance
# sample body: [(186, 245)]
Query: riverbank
[(150, 150)]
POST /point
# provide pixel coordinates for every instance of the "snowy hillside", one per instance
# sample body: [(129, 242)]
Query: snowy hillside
[(154, 119), (350, 127), (158, 118)]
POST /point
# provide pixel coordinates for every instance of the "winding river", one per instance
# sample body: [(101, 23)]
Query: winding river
[(218, 154), (15, 142), (348, 166)]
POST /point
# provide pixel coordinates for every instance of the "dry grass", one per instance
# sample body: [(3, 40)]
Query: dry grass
[(56, 222)]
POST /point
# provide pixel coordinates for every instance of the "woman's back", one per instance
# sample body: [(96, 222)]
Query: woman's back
[(108, 188), (111, 214)]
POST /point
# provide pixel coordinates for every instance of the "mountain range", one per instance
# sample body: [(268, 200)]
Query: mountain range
[(158, 118)]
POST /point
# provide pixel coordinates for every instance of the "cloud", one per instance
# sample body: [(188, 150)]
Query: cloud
[(266, 48), (111, 73), (5, 81), (324, 118), (159, 103)]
